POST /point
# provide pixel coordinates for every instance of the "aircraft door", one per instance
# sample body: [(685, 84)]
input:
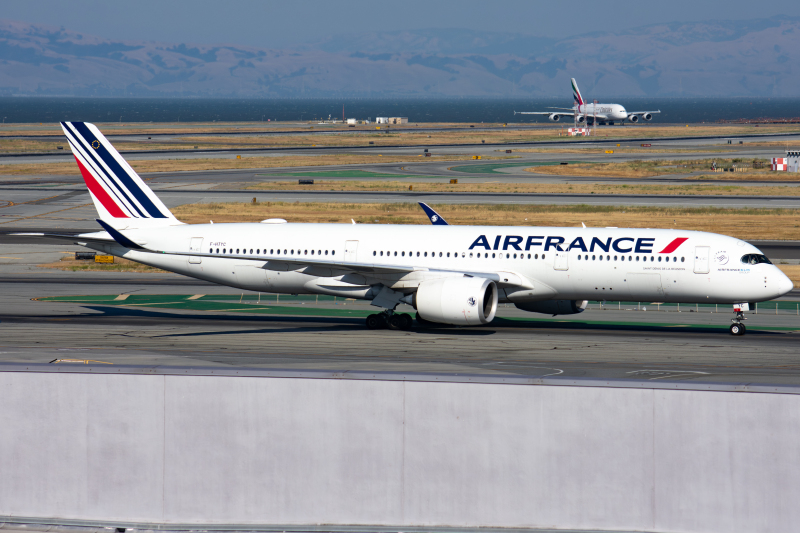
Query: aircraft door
[(701, 259), (350, 251), (196, 245), (562, 261)]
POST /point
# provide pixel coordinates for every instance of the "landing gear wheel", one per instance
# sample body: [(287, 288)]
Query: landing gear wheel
[(738, 329), (374, 321), (396, 321), (400, 321)]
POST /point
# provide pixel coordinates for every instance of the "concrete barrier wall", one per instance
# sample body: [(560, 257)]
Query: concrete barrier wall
[(170, 449)]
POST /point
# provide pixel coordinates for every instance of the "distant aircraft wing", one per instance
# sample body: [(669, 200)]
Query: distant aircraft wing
[(642, 112), (436, 218), (565, 113)]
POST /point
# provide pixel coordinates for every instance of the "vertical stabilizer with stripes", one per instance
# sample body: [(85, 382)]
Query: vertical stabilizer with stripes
[(577, 99), (121, 197)]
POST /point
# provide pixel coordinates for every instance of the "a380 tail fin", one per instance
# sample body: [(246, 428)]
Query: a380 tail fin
[(576, 95), (121, 197)]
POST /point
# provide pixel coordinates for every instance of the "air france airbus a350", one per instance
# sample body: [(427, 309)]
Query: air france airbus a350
[(450, 274)]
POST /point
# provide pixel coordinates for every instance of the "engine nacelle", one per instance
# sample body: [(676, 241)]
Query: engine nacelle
[(647, 116), (555, 117), (634, 118), (554, 307), (581, 119), (457, 301)]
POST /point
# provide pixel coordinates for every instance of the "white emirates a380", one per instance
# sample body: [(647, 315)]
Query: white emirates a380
[(449, 274)]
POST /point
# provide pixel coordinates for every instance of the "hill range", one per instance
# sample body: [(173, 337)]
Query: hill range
[(701, 59)]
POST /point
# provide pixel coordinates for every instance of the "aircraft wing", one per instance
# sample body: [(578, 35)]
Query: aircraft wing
[(642, 112), (331, 268), (565, 113), (79, 239)]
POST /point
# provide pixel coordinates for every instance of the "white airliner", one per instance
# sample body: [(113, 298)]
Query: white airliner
[(605, 113), (450, 274)]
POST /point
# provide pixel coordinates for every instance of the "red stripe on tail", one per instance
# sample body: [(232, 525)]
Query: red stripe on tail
[(100, 193), (671, 247)]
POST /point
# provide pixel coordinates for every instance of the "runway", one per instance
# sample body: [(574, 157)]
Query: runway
[(158, 325)]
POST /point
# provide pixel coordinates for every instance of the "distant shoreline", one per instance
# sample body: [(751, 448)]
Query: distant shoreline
[(50, 109)]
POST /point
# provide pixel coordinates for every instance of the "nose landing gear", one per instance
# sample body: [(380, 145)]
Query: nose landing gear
[(737, 328)]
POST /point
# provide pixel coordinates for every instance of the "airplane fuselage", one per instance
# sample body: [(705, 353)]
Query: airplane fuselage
[(527, 263), (604, 111)]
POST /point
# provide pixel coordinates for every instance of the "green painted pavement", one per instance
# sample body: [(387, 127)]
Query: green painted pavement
[(183, 302), (492, 167), (248, 304)]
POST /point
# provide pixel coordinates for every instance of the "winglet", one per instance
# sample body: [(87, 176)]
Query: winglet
[(436, 218), (119, 237)]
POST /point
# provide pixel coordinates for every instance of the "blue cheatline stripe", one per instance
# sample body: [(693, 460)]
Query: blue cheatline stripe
[(77, 152), (99, 168), (119, 172)]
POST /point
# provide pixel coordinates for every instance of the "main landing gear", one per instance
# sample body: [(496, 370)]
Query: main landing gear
[(737, 328), (389, 320)]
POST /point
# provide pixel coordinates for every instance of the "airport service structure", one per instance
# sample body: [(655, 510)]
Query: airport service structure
[(793, 160), (229, 448), (790, 163)]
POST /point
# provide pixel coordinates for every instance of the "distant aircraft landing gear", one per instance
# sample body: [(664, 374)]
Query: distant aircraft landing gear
[(389, 320), (737, 328)]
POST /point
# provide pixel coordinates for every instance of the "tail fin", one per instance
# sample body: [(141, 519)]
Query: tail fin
[(576, 95), (121, 197)]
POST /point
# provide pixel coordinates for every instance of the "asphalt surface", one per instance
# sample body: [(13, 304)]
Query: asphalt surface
[(619, 343)]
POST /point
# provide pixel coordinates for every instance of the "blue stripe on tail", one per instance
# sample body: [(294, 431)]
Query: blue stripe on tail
[(118, 171)]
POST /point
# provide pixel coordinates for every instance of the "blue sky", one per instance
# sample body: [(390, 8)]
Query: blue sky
[(284, 23)]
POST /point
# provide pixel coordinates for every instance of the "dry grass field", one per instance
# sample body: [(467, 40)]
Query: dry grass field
[(69, 263), (781, 224), (793, 273), (537, 188)]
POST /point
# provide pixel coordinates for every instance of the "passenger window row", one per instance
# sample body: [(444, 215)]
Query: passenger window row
[(455, 255), (272, 251), (630, 258)]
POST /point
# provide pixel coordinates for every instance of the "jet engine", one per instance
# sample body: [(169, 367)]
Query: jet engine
[(633, 118), (581, 119), (554, 117), (457, 301), (554, 307), (647, 116)]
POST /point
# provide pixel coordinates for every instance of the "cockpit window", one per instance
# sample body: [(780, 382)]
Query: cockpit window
[(754, 259)]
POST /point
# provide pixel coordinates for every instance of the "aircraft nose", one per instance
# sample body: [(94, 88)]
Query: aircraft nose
[(785, 285)]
